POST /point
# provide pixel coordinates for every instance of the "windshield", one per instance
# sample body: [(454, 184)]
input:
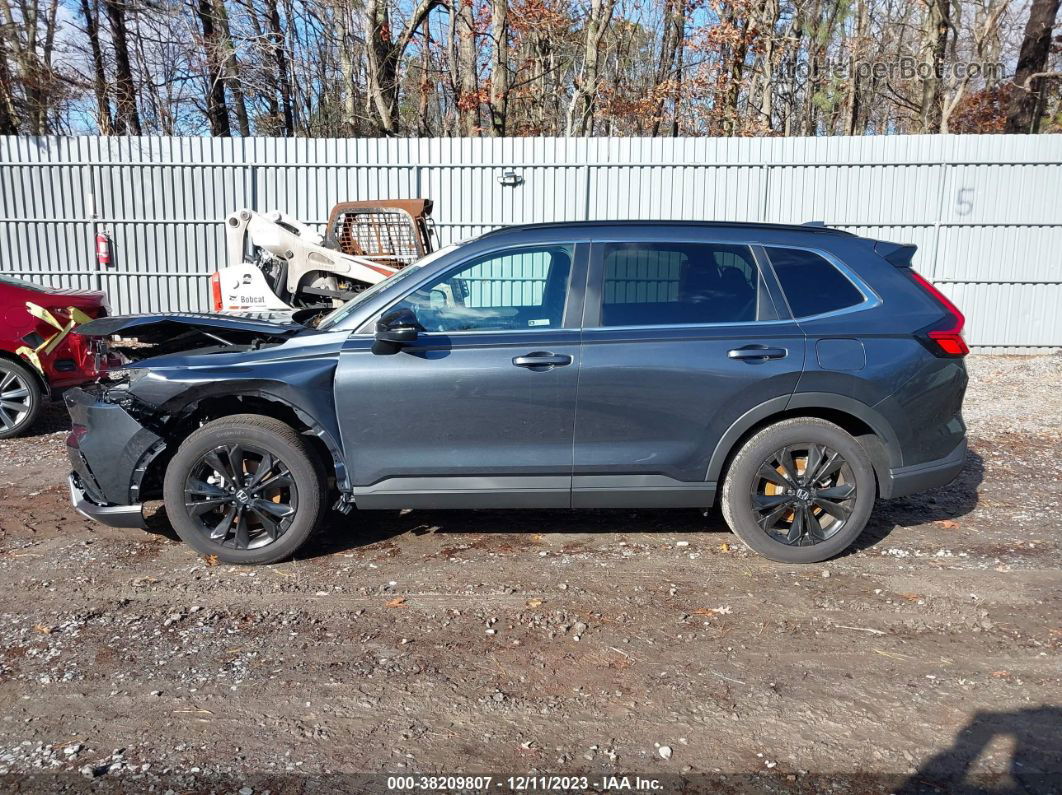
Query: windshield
[(337, 316)]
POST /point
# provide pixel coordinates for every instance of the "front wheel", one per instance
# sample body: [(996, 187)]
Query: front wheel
[(245, 488), (799, 491)]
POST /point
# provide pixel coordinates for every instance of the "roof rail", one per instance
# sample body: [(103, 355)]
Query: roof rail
[(815, 223)]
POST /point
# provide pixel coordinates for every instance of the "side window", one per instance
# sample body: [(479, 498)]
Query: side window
[(515, 289), (661, 284), (812, 285)]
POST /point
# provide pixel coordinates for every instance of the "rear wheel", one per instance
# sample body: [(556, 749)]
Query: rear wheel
[(20, 399), (799, 491), (246, 489)]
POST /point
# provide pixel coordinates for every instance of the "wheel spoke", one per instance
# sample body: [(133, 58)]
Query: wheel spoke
[(812, 526), (264, 466), (768, 521), (213, 460), (785, 458), (11, 405), (829, 465), (6, 419), (221, 530), (12, 394), (277, 509), (765, 502), (834, 509), (814, 460), (8, 378), (206, 489), (280, 479), (199, 507), (844, 491), (269, 523), (772, 475), (237, 463), (242, 537), (796, 529)]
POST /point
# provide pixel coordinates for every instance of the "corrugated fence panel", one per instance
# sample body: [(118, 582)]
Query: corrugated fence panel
[(985, 211)]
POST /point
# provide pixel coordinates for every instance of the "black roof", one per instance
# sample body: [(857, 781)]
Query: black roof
[(814, 228)]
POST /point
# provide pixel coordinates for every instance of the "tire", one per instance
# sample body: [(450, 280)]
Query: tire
[(796, 520), (19, 389), (230, 520)]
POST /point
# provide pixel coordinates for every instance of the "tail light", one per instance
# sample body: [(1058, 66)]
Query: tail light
[(215, 290), (944, 338)]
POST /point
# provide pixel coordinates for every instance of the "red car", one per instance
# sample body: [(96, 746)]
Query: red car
[(39, 356)]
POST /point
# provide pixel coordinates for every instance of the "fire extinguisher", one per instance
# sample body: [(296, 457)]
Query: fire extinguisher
[(103, 249)]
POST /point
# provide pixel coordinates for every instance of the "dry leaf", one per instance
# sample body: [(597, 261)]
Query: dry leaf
[(42, 629), (211, 560), (534, 602), (724, 547), (946, 523), (398, 601), (911, 597), (1001, 674), (725, 610)]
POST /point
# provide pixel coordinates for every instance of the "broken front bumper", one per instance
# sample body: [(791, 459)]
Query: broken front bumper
[(109, 452), (113, 515)]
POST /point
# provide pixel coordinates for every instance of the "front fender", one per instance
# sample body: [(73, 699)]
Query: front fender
[(304, 386)]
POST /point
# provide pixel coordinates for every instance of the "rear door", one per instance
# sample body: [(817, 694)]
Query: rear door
[(681, 337)]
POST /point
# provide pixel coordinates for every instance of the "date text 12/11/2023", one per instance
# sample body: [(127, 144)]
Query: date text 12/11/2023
[(524, 783)]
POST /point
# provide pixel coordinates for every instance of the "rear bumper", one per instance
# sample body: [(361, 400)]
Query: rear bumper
[(923, 477), (114, 515)]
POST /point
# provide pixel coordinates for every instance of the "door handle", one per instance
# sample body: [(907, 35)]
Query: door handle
[(757, 353), (542, 360)]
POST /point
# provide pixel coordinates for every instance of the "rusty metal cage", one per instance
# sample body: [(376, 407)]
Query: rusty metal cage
[(394, 235)]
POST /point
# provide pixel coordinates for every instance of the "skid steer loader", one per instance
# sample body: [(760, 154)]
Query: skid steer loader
[(277, 264)]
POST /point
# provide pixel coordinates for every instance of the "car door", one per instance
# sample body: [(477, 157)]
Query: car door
[(682, 338), (479, 410)]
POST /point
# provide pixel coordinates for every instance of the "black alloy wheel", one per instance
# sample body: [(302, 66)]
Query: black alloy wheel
[(799, 490), (245, 489), (803, 495), (241, 496)]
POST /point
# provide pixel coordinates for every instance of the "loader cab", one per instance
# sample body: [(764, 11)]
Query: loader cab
[(392, 232)]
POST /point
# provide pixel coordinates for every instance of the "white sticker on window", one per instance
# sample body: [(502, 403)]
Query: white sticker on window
[(540, 322)]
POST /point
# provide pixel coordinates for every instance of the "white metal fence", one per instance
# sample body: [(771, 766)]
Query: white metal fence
[(985, 211)]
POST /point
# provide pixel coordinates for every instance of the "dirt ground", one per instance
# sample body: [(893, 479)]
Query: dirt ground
[(597, 643)]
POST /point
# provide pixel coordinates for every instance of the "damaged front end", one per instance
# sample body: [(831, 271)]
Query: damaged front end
[(161, 334), (112, 441), (184, 370)]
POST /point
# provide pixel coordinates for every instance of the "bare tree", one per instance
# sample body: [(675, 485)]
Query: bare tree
[(91, 15), (581, 108), (1023, 115), (934, 46), (384, 52), (499, 71), (127, 118)]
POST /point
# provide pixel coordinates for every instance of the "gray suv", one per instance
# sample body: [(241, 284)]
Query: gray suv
[(792, 374)]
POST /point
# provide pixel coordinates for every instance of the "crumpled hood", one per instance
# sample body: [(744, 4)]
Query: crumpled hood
[(166, 327)]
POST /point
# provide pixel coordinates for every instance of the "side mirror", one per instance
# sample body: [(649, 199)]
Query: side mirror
[(399, 327)]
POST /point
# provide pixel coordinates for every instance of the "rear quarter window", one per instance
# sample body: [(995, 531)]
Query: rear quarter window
[(812, 284)]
